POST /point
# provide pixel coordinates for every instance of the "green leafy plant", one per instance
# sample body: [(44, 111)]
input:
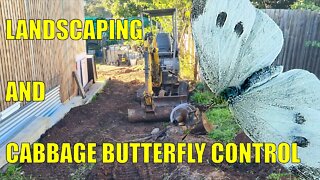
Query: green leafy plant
[(204, 98), (313, 44), (279, 176), (82, 171), (14, 172), (227, 128), (313, 5), (95, 97), (272, 4)]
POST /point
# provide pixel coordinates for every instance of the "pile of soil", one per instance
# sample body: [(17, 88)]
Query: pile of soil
[(105, 120)]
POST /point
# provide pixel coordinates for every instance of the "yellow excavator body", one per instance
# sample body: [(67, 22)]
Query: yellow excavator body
[(162, 90)]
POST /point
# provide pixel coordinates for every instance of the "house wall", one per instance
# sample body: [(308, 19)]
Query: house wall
[(51, 61)]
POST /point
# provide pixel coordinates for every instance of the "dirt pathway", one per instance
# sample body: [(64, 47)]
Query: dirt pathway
[(105, 120)]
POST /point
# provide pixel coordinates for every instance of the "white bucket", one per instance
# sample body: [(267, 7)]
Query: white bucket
[(133, 62)]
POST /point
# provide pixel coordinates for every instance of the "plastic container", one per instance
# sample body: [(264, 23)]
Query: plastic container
[(133, 62)]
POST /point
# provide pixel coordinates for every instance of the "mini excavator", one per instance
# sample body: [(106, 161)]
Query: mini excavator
[(162, 90)]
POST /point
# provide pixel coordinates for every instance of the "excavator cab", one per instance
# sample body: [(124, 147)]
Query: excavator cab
[(162, 90), (168, 60)]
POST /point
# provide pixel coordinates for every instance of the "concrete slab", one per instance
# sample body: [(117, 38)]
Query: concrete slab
[(94, 89)]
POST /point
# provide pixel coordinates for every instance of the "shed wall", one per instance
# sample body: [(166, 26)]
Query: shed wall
[(51, 61)]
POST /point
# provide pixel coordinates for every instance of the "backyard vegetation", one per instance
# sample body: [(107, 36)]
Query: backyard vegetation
[(227, 128), (217, 113), (313, 5)]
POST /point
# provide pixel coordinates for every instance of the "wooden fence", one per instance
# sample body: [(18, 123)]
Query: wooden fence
[(301, 49), (301, 29), (51, 61)]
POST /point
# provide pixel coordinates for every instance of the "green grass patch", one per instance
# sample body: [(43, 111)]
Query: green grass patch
[(218, 114), (227, 128)]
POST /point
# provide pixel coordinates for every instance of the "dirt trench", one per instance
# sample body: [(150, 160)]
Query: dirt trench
[(105, 120)]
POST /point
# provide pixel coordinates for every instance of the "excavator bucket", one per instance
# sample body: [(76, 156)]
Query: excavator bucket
[(141, 115), (162, 107), (191, 119)]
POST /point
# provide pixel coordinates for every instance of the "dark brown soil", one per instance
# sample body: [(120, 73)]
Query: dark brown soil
[(105, 120)]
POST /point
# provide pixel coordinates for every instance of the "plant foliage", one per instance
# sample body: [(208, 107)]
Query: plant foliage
[(227, 128), (313, 5), (273, 4)]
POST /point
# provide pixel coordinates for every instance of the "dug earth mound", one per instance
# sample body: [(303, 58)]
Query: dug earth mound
[(105, 120)]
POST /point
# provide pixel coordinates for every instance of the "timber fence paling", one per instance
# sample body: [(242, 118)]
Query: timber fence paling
[(299, 27)]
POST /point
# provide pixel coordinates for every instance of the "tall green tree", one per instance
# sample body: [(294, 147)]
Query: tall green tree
[(273, 4), (129, 8), (126, 8), (313, 5), (96, 8)]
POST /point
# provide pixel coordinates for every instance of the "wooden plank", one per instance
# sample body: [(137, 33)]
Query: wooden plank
[(89, 84), (79, 84)]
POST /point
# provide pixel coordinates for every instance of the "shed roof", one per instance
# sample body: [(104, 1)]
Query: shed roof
[(161, 12)]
